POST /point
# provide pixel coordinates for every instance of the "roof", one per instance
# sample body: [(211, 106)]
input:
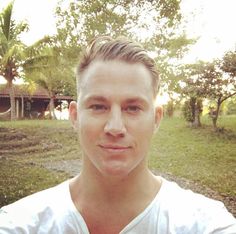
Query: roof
[(38, 92)]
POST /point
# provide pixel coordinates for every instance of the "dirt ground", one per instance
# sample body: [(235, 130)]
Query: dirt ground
[(72, 167)]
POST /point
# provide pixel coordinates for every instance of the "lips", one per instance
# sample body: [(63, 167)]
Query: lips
[(114, 148)]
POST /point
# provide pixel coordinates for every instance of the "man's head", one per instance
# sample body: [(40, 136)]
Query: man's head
[(115, 115), (121, 49)]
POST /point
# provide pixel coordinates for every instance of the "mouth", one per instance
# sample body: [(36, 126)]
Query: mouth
[(114, 148)]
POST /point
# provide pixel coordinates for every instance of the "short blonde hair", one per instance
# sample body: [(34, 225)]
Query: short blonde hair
[(107, 49)]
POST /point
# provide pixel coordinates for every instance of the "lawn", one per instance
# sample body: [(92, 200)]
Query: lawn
[(27, 145), (201, 155)]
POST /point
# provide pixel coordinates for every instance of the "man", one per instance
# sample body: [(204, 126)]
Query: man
[(115, 118)]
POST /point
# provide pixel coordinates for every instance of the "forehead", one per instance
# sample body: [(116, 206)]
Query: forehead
[(118, 77), (116, 81)]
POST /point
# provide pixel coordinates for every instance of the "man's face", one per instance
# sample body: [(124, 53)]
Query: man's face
[(115, 117)]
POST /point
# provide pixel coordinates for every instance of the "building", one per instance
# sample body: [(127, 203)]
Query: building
[(29, 104)]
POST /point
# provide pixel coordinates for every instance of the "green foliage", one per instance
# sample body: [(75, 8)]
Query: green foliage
[(210, 80), (215, 83), (6, 21), (228, 63), (218, 86), (11, 48), (157, 24), (193, 91), (47, 67), (193, 85), (213, 80), (42, 62), (81, 21)]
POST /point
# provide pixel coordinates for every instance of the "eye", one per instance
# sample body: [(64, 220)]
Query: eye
[(98, 107), (132, 109)]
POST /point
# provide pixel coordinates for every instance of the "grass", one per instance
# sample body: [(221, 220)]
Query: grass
[(24, 147), (201, 155), (19, 180)]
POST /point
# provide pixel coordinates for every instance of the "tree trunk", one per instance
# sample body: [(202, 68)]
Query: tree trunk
[(51, 108), (170, 108), (196, 112), (197, 122), (22, 107), (216, 115), (12, 100)]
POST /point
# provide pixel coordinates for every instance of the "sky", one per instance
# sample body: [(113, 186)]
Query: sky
[(212, 21)]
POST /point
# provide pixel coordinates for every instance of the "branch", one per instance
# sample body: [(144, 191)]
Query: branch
[(232, 94)]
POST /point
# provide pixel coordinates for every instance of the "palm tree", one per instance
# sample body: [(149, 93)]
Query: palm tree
[(11, 50), (50, 70)]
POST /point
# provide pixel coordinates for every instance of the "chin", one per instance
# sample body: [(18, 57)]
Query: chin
[(116, 171)]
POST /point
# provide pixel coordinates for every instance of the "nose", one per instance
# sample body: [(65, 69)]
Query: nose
[(115, 124)]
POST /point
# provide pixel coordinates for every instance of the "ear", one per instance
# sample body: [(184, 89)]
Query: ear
[(158, 115), (73, 114)]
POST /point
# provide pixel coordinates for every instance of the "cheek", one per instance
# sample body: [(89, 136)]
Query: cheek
[(142, 130), (144, 125), (88, 128)]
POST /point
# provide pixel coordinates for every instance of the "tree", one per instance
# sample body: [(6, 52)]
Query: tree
[(193, 89), (219, 84), (157, 24), (80, 21), (11, 50), (228, 64), (213, 80), (48, 68), (192, 110)]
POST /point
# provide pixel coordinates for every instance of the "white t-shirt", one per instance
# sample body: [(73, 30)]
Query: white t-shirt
[(173, 210)]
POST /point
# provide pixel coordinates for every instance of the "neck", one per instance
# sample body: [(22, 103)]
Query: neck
[(101, 198), (93, 185)]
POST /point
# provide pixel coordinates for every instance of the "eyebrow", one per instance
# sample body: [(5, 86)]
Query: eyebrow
[(95, 98), (132, 100), (135, 99)]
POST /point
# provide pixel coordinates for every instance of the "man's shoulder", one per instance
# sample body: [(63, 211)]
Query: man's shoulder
[(34, 210), (178, 196), (185, 209), (39, 200)]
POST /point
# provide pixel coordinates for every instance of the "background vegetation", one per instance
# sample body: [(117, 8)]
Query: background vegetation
[(199, 154)]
